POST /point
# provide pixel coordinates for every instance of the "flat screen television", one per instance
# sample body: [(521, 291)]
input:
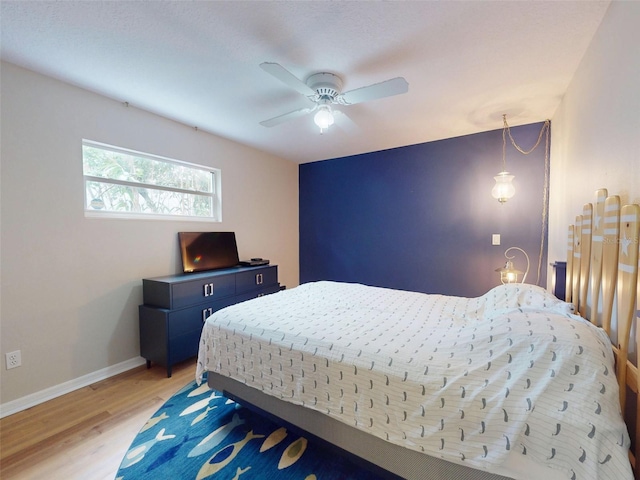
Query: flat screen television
[(202, 251)]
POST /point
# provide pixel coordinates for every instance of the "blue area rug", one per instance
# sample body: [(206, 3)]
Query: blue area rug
[(198, 433)]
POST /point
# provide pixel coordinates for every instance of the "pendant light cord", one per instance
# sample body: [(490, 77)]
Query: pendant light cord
[(546, 128)]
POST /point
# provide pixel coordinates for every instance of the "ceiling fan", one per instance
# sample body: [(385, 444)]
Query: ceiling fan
[(325, 89)]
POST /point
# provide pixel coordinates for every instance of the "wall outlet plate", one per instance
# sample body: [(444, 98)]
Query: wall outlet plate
[(13, 359)]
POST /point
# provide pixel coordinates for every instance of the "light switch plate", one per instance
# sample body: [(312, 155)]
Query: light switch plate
[(495, 239)]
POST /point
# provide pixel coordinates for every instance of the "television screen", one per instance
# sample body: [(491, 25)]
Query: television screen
[(207, 250)]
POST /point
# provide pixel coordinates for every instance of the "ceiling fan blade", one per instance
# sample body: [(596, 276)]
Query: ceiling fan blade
[(388, 88), (272, 122), (345, 122), (286, 77)]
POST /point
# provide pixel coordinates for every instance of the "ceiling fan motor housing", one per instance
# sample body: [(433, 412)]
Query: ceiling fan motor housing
[(326, 85)]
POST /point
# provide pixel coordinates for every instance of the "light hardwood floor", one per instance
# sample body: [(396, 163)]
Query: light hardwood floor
[(85, 434)]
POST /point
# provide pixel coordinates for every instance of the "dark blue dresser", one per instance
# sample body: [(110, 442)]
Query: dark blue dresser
[(176, 306)]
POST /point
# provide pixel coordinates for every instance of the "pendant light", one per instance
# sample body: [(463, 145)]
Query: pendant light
[(503, 190)]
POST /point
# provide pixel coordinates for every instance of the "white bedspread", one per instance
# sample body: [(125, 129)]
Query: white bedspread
[(466, 380)]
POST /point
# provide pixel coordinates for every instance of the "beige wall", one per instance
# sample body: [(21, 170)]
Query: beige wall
[(71, 285), (596, 131)]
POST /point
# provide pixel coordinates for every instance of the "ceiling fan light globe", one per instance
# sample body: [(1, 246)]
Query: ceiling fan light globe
[(323, 118)]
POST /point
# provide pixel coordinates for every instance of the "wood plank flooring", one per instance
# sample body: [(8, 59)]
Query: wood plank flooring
[(85, 434)]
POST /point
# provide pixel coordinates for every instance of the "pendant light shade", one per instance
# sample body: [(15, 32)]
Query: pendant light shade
[(503, 190)]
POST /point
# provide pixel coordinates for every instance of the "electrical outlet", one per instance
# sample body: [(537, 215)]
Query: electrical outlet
[(14, 359)]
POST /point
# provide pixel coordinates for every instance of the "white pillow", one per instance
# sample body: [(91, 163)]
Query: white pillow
[(513, 296)]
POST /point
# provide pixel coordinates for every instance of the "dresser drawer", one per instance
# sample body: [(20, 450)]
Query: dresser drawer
[(256, 279), (180, 321), (192, 318), (212, 288), (178, 294)]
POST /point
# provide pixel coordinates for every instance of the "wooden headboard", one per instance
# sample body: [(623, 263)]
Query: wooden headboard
[(603, 285)]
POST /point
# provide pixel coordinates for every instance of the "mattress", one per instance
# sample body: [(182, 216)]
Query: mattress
[(468, 380)]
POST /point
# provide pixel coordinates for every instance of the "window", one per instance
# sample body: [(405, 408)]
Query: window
[(125, 183)]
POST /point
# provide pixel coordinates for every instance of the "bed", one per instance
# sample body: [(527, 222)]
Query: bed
[(512, 384)]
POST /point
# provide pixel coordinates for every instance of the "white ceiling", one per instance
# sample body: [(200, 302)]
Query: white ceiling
[(467, 63)]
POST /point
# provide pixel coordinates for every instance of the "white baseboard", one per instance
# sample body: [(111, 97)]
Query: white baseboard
[(42, 396)]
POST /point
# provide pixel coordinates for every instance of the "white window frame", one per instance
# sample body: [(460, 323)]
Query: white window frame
[(216, 194)]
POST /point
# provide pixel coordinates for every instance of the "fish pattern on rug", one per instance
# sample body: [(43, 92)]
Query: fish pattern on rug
[(199, 434)]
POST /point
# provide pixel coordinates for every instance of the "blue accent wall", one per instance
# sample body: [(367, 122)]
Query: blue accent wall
[(421, 217)]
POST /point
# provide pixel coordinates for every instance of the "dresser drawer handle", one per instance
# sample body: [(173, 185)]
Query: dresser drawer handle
[(208, 289), (259, 279), (206, 313)]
